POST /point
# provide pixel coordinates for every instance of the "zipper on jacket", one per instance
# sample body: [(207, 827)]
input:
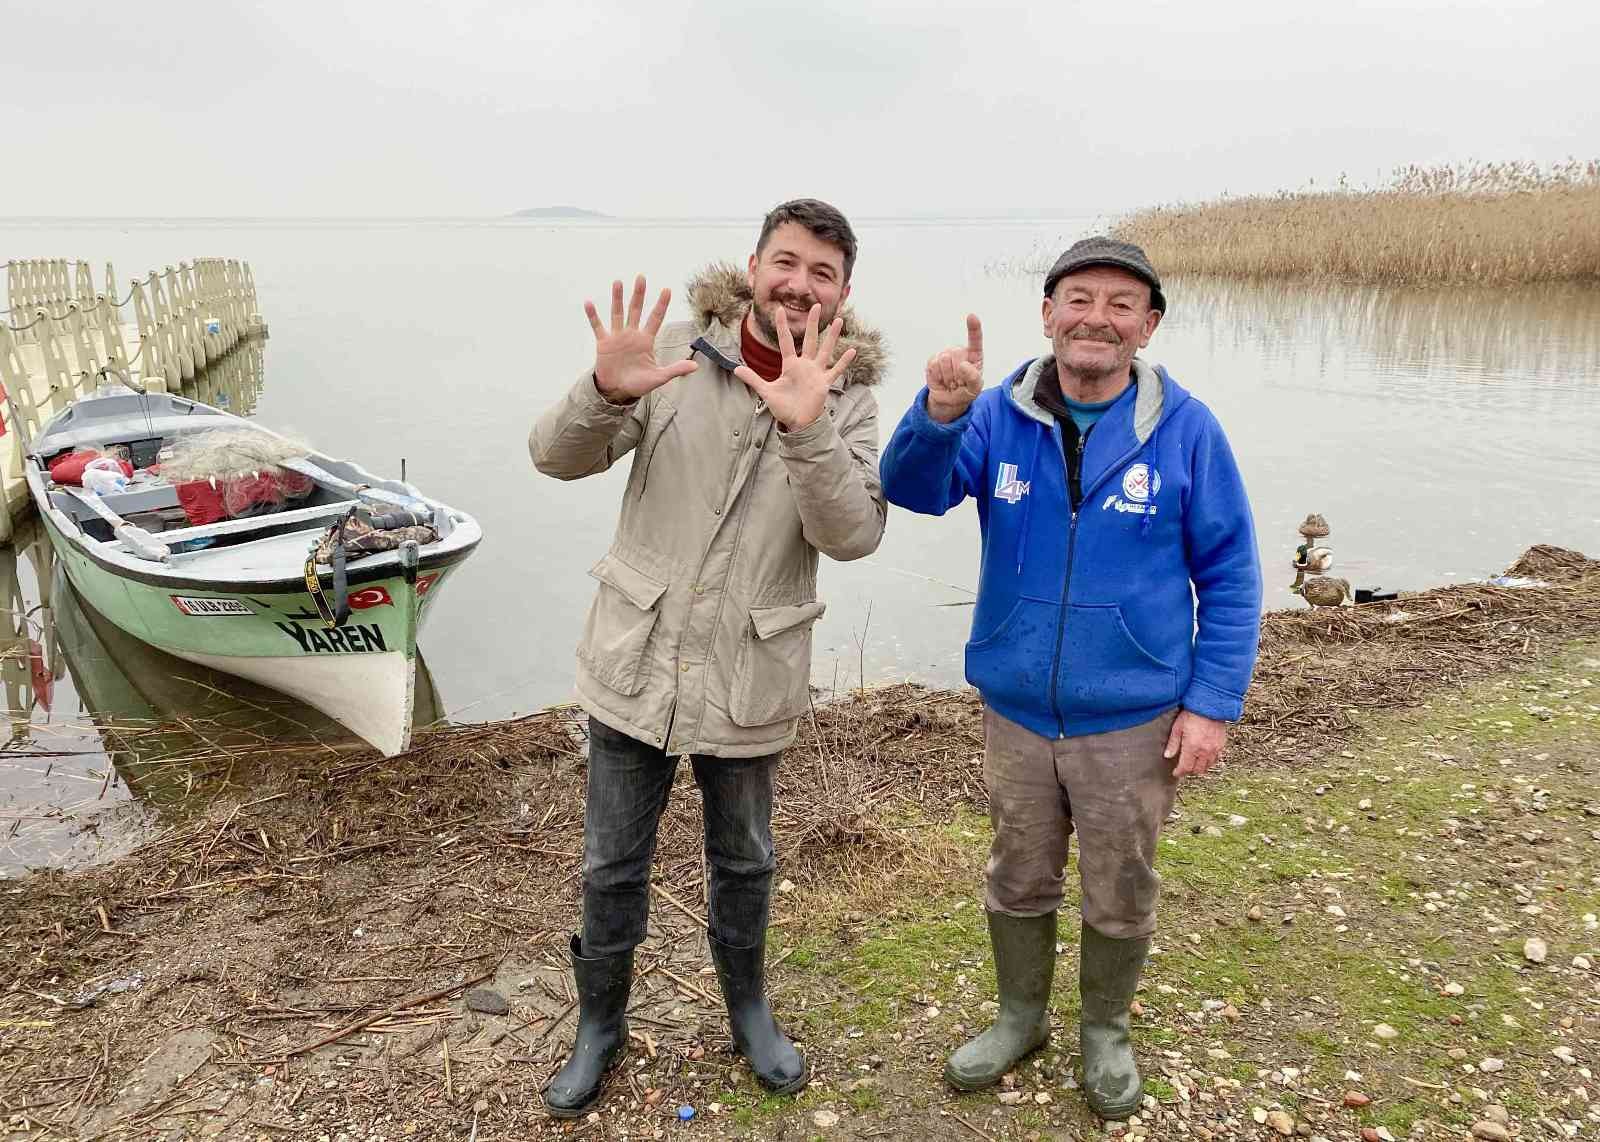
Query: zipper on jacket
[(1075, 473), (1066, 582), (1061, 625)]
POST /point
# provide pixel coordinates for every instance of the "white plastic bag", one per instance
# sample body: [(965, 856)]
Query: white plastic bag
[(103, 476)]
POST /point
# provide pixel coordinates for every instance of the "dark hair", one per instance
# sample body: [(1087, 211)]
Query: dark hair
[(818, 217)]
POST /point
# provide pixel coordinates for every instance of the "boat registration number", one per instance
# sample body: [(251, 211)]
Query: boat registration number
[(210, 608)]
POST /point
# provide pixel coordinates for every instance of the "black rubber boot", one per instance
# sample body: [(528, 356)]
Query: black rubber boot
[(1025, 963), (602, 1031), (1108, 973), (776, 1061)]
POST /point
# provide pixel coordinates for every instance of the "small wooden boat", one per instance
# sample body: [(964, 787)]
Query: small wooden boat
[(255, 595)]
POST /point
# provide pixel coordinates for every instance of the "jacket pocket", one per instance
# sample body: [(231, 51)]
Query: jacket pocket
[(653, 432), (623, 615), (772, 673), (1104, 669), (1010, 665)]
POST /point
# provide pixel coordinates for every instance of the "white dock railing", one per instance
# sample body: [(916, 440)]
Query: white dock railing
[(60, 336)]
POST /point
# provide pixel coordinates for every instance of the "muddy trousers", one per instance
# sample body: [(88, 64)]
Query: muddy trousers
[(628, 786), (1113, 789)]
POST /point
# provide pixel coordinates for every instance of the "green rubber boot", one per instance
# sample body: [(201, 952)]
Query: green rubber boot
[(1108, 973), (1024, 961)]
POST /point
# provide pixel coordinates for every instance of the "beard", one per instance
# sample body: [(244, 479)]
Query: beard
[(1099, 368), (762, 312)]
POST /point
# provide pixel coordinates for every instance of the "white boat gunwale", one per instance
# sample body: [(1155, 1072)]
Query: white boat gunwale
[(185, 570)]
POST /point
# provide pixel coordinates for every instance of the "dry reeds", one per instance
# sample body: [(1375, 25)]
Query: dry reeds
[(1485, 223)]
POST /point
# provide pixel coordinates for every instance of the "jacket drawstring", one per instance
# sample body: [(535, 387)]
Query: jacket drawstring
[(1148, 455), (1027, 506)]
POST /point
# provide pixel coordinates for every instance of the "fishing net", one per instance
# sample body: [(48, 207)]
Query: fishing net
[(231, 473)]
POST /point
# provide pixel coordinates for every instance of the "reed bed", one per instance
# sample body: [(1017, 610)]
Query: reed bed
[(1483, 223)]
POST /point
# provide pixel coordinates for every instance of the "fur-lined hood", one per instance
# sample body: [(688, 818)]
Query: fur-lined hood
[(720, 293)]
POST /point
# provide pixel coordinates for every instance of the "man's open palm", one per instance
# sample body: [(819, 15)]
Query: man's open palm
[(625, 367), (800, 392)]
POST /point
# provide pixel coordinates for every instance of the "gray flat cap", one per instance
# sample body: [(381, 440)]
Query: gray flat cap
[(1102, 251)]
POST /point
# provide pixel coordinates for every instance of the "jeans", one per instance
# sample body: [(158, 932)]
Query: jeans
[(627, 790)]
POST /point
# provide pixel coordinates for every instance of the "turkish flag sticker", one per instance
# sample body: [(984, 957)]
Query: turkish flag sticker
[(369, 597)]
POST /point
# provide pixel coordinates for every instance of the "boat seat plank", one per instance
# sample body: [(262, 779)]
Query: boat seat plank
[(132, 538), (256, 522)]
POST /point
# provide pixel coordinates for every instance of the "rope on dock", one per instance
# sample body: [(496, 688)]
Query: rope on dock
[(42, 314)]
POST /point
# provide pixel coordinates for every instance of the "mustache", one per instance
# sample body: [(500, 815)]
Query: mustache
[(784, 297), (1108, 337)]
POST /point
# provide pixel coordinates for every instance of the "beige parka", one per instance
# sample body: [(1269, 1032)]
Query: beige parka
[(699, 636)]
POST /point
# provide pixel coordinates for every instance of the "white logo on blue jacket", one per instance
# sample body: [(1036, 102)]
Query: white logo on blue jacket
[(1139, 484), (1008, 487)]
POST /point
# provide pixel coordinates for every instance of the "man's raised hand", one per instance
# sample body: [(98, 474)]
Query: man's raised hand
[(625, 367), (955, 376), (800, 393)]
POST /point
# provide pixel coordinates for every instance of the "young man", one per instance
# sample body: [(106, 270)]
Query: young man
[(754, 436), (1106, 495)]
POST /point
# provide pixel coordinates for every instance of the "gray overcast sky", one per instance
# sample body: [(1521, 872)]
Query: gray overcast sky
[(717, 107)]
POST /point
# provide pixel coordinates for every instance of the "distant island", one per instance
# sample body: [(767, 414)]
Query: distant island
[(558, 212)]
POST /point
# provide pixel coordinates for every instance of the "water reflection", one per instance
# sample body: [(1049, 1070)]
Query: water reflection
[(164, 722), (234, 383), (1549, 332), (104, 728)]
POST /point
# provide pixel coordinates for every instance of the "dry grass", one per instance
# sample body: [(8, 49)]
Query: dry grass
[(1487, 223)]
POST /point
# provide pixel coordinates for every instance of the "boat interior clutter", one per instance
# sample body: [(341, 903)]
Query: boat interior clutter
[(159, 490)]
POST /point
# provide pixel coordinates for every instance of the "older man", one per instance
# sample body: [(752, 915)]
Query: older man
[(1114, 636), (750, 456)]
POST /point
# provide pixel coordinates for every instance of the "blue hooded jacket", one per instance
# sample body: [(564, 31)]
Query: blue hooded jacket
[(1086, 622)]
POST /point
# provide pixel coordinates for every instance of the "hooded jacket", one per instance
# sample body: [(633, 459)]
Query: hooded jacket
[(1148, 597), (699, 636)]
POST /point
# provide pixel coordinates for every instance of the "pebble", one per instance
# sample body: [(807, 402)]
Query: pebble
[(1490, 1066), (1010, 1097), (1534, 950), (487, 1001), (1453, 988), (1491, 1131), (1566, 1056), (825, 1119), (1354, 1098), (1494, 1112), (1582, 963), (1281, 1121), (1384, 1031)]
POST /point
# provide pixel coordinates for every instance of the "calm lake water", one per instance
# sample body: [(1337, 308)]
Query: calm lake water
[(1440, 431)]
